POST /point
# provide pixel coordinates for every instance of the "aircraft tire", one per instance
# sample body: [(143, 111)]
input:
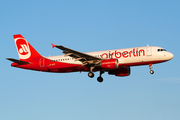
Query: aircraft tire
[(91, 74), (152, 72), (100, 79)]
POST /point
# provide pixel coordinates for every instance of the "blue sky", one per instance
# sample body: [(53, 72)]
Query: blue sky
[(87, 26)]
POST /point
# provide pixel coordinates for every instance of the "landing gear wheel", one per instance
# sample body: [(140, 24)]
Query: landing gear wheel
[(100, 79), (152, 72), (91, 74)]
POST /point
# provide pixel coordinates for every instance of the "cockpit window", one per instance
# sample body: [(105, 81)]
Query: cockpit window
[(161, 50)]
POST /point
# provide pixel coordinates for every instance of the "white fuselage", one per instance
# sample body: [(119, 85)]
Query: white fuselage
[(125, 56)]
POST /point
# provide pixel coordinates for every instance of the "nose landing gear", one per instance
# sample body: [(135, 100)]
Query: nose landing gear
[(151, 71)]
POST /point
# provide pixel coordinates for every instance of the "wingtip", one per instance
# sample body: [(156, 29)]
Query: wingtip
[(53, 45)]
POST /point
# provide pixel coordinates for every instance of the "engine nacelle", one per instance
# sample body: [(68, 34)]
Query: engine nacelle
[(109, 64), (124, 71)]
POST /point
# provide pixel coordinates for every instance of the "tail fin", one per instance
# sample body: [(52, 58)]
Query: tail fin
[(24, 49)]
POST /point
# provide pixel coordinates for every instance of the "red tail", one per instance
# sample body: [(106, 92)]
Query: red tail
[(24, 49)]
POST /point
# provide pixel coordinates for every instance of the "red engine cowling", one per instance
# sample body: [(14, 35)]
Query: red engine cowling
[(109, 64), (124, 71)]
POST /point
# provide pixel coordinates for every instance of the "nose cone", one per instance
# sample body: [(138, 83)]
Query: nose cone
[(170, 56)]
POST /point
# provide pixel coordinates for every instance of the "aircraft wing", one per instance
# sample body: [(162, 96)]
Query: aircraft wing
[(76, 55)]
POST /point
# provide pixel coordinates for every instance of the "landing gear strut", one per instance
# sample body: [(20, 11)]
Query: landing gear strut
[(100, 79), (91, 74), (151, 71)]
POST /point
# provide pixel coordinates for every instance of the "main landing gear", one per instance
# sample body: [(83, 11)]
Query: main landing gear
[(91, 75), (151, 71), (100, 79)]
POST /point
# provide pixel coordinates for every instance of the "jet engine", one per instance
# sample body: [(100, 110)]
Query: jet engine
[(109, 64), (123, 71)]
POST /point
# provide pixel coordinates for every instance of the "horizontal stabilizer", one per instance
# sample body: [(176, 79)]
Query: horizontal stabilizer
[(18, 61)]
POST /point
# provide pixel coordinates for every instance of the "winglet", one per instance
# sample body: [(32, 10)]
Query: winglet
[(53, 45)]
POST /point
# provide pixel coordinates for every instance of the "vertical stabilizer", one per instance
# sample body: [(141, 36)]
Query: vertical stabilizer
[(24, 49)]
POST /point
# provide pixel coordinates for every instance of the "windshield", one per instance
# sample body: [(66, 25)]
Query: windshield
[(161, 50)]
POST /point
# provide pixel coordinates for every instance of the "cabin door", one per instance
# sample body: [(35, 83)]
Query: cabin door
[(149, 51)]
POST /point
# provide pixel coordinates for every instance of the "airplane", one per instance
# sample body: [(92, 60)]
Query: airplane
[(116, 62)]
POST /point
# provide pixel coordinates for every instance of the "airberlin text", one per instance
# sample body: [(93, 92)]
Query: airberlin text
[(133, 53)]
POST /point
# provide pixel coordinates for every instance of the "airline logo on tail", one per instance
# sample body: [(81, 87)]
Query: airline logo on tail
[(22, 48)]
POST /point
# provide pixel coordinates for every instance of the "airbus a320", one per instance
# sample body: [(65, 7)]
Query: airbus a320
[(116, 62)]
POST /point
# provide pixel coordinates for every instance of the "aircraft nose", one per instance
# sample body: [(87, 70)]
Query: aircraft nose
[(170, 56)]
